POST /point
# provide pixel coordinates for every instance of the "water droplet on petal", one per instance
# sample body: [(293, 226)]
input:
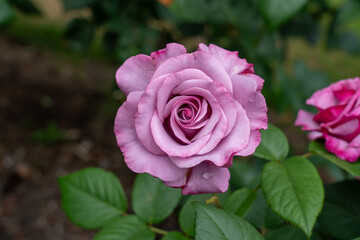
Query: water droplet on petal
[(139, 114), (208, 175), (252, 97)]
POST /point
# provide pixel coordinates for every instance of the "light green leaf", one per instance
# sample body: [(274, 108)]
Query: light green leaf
[(174, 235), (274, 144), (6, 12), (92, 197), (126, 228), (340, 216), (318, 148), (294, 191), (213, 223), (240, 201), (276, 12), (152, 200)]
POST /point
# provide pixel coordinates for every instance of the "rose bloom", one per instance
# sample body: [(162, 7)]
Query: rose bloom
[(338, 119), (187, 115)]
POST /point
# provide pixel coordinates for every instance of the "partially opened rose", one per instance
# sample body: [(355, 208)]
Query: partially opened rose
[(187, 115), (338, 119)]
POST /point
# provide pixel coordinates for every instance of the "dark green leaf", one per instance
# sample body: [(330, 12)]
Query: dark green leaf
[(152, 200), (294, 191), (246, 174), (25, 6), (126, 228), (74, 4), (80, 33), (6, 13), (289, 232), (318, 148), (276, 12), (91, 197), (260, 215), (341, 214), (213, 223), (174, 235), (187, 213), (240, 201), (274, 144)]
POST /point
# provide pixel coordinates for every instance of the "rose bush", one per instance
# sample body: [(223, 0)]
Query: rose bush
[(338, 119), (187, 115)]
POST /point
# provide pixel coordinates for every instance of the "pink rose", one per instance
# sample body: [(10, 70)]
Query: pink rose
[(338, 119), (187, 115)]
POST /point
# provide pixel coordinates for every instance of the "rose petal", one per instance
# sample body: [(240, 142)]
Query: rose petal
[(254, 141), (135, 73), (305, 119), (315, 135), (247, 94), (237, 140), (341, 148), (347, 128), (207, 178), (146, 107), (228, 59), (198, 60), (171, 50), (136, 156), (169, 145)]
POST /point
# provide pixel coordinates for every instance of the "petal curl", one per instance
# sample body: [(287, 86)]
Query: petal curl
[(207, 178), (305, 119), (171, 50), (136, 156), (229, 60), (135, 73)]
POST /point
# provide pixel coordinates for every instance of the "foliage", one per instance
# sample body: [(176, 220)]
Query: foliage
[(290, 191)]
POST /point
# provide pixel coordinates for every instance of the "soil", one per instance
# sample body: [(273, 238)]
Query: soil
[(40, 90)]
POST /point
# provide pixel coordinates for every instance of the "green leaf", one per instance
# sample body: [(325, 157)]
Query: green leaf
[(289, 232), (152, 200), (79, 33), (277, 12), (174, 235), (318, 148), (126, 228), (187, 212), (92, 197), (74, 4), (6, 12), (340, 216), (274, 144), (260, 215), (240, 201), (294, 191), (213, 223)]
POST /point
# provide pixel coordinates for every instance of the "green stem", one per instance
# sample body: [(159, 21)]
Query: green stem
[(307, 154), (158, 230)]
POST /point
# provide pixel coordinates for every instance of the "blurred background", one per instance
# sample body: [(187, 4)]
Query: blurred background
[(58, 96)]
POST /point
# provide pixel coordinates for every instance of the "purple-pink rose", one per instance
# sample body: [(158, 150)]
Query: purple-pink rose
[(187, 115), (338, 119)]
